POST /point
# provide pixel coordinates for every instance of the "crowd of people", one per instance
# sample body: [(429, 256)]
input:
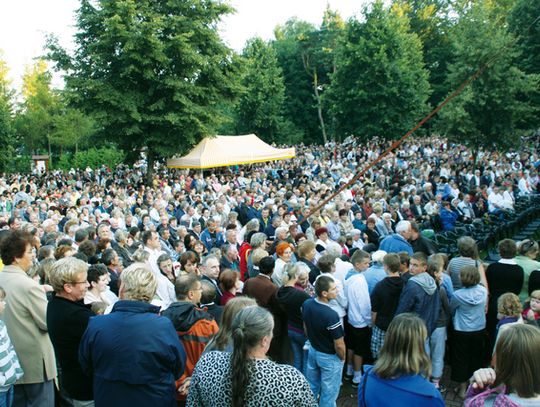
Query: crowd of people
[(235, 287)]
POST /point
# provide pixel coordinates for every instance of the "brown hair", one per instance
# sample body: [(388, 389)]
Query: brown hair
[(14, 246), (305, 247), (469, 276), (507, 249), (228, 279), (392, 262), (517, 363)]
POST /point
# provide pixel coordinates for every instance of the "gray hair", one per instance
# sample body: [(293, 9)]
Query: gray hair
[(290, 272), (257, 240), (205, 260), (282, 229), (403, 226), (65, 271), (252, 225), (138, 283), (120, 235)]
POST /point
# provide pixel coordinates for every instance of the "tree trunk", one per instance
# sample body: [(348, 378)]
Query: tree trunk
[(50, 151), (150, 160), (319, 105)]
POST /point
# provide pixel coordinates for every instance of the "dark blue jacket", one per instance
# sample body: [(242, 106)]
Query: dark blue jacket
[(421, 296), (134, 355), (405, 391)]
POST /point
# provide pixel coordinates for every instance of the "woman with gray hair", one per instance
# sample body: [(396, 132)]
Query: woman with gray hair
[(67, 319), (527, 253), (133, 353), (468, 256), (245, 377)]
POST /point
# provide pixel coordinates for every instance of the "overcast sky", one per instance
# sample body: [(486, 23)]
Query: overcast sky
[(24, 23)]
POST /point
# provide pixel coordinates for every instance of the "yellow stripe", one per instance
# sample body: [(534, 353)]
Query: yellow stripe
[(235, 163)]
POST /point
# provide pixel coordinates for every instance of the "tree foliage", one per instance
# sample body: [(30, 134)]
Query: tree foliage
[(260, 107), (489, 112), (6, 118), (151, 73), (380, 87)]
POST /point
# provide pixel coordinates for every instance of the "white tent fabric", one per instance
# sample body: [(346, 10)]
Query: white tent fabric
[(222, 151)]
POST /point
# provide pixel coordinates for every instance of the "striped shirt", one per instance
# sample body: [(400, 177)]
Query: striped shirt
[(10, 369)]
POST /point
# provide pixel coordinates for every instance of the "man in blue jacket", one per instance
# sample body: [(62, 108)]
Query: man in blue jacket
[(133, 354), (420, 295), (398, 242)]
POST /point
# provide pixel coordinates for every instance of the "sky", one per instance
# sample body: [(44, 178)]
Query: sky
[(24, 24)]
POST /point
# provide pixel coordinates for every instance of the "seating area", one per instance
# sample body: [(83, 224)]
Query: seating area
[(521, 224)]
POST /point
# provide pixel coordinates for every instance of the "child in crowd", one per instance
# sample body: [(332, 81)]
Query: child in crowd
[(508, 312), (468, 307), (10, 369), (532, 312)]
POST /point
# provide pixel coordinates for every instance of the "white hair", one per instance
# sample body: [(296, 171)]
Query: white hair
[(403, 226)]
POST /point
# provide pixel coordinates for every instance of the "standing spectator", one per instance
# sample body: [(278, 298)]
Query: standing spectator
[(375, 272), (468, 256), (67, 319), (503, 276), (25, 319), (10, 368), (514, 381), (384, 301), (208, 298), (245, 377), (468, 310), (229, 257), (528, 252), (509, 311), (210, 273), (398, 242), (420, 294), (229, 282), (328, 268), (290, 300), (261, 287), (326, 353), (421, 243), (399, 377), (129, 368), (194, 326), (284, 254), (358, 331)]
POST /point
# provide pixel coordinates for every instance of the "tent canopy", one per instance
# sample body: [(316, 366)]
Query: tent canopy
[(222, 151)]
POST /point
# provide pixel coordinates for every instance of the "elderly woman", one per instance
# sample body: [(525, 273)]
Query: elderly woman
[(133, 353), (284, 254), (526, 258), (26, 322), (67, 319), (246, 377)]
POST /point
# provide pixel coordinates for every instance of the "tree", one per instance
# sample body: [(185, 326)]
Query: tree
[(35, 122), (380, 87), (150, 72), (489, 112), (6, 118), (260, 108), (299, 104)]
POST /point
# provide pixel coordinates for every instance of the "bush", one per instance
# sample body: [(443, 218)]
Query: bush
[(93, 158)]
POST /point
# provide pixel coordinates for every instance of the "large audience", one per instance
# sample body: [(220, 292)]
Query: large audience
[(235, 286)]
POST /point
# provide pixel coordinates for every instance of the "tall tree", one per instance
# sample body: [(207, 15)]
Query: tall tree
[(380, 87), (260, 108), (6, 117), (489, 112), (299, 104), (150, 72), (35, 121)]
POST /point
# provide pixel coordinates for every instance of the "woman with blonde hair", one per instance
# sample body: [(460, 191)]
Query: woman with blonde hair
[(400, 376), (222, 341), (515, 380)]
